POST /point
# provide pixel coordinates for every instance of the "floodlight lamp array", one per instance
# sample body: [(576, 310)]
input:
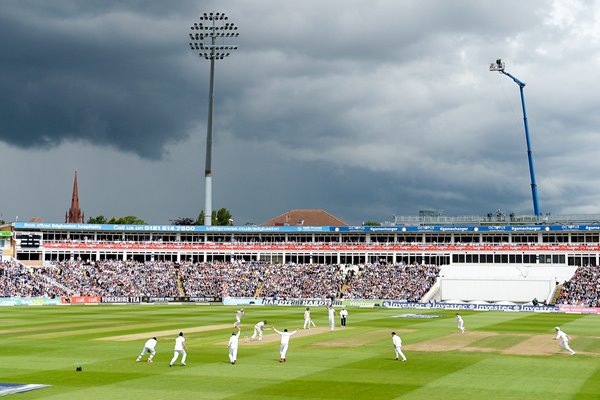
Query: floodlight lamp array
[(497, 66), (211, 31)]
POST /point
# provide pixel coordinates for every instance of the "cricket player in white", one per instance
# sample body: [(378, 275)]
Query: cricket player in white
[(258, 330), (180, 348), (331, 313), (233, 346), (149, 347), (238, 317), (285, 341), (564, 340), (460, 323), (307, 318), (398, 346)]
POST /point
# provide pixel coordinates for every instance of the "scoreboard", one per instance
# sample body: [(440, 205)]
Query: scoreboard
[(29, 240)]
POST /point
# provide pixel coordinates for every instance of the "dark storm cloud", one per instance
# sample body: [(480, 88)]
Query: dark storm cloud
[(93, 75), (108, 73)]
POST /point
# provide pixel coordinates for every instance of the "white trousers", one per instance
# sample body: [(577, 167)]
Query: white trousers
[(398, 351), (565, 345), (176, 354), (233, 353), (283, 350), (147, 350), (257, 332)]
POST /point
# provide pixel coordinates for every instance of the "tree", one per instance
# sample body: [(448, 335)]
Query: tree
[(183, 221), (200, 220), (223, 217), (371, 223), (128, 220), (100, 219), (220, 218)]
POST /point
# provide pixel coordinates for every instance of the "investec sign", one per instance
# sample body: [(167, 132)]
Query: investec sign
[(473, 307)]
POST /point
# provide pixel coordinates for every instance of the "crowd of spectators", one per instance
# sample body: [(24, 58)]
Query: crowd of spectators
[(17, 280), (391, 281), (303, 281), (217, 279), (118, 278), (221, 279), (583, 289)]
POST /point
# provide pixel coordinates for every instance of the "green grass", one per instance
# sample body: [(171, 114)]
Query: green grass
[(45, 344)]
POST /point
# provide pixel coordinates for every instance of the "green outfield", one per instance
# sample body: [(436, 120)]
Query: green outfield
[(502, 355)]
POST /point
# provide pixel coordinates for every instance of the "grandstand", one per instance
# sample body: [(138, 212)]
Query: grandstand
[(485, 262)]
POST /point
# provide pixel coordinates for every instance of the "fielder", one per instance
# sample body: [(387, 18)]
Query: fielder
[(233, 346), (180, 348), (331, 312), (564, 340), (148, 347), (397, 341), (238, 317), (285, 341), (460, 323), (258, 330)]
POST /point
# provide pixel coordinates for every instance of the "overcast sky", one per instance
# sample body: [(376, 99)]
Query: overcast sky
[(366, 109)]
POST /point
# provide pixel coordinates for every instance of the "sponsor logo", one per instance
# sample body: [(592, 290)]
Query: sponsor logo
[(300, 302), (474, 307)]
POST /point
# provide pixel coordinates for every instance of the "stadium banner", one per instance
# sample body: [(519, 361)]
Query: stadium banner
[(291, 229), (121, 299), (241, 301), (359, 303), (234, 246), (470, 307), (29, 301), (578, 309), (180, 299), (301, 302), (81, 299)]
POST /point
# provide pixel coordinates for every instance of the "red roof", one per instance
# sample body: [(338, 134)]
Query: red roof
[(305, 218)]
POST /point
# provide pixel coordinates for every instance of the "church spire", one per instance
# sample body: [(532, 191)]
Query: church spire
[(74, 215)]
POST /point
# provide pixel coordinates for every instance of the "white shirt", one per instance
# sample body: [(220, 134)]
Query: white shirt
[(562, 336), (259, 324), (331, 312), (285, 336), (396, 340), (459, 319), (343, 313), (234, 340), (307, 314), (179, 343), (150, 343)]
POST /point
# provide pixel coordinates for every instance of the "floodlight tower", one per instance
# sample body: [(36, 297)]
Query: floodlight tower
[(204, 36), (499, 67)]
